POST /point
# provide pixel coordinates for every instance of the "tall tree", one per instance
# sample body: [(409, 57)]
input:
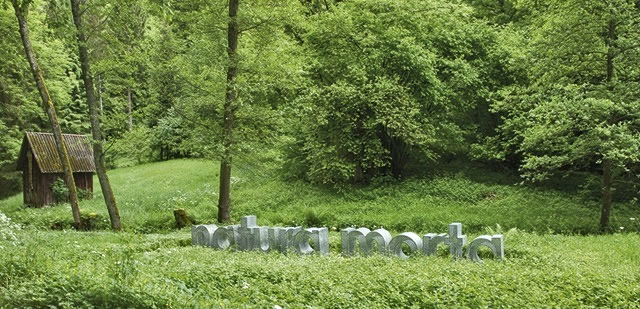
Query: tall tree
[(393, 83), (267, 69), (21, 9), (224, 199), (94, 112), (581, 110)]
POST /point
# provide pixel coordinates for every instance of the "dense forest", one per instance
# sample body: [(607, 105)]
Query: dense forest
[(338, 93)]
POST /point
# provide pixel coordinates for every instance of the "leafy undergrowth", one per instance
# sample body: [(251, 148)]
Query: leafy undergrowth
[(153, 265), (126, 270), (148, 194)]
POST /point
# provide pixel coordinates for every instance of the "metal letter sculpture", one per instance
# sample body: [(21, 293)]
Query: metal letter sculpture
[(411, 239), (349, 238), (201, 234), (249, 236), (379, 237), (320, 238), (495, 243)]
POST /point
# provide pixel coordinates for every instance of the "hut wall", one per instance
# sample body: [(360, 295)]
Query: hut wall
[(84, 181), (37, 186), (27, 191), (27, 179), (42, 193)]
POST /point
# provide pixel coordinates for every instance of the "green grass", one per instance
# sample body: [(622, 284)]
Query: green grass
[(109, 270), (549, 262), (148, 194)]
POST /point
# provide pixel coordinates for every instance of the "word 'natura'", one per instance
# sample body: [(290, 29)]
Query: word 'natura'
[(249, 236)]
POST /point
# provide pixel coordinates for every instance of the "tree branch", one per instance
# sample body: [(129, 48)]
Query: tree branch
[(260, 23)]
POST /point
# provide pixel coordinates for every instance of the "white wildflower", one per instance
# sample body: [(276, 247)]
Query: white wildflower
[(8, 229)]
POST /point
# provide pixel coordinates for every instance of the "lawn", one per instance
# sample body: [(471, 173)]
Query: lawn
[(147, 195), (553, 256)]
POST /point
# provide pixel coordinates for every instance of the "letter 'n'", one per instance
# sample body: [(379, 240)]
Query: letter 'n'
[(349, 238)]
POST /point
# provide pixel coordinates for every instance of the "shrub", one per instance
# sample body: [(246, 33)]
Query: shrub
[(60, 191), (85, 194)]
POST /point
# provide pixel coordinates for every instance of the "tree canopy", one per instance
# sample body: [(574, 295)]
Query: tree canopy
[(342, 92)]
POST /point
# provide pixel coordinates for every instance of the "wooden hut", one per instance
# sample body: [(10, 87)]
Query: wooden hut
[(40, 165)]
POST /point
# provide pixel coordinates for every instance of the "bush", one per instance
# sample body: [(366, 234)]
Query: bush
[(85, 194), (92, 221), (60, 191)]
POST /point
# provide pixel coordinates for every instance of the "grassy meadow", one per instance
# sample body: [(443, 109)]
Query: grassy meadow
[(147, 195), (554, 257)]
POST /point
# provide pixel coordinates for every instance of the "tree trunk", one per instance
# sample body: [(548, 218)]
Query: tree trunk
[(607, 174), (224, 200), (611, 53), (94, 115), (606, 194), (358, 173), (21, 13), (129, 108), (398, 157), (100, 94)]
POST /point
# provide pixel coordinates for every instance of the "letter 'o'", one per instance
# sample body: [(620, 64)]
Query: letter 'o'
[(411, 239), (222, 239)]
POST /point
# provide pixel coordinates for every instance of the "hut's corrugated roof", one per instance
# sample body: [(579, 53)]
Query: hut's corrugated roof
[(44, 150)]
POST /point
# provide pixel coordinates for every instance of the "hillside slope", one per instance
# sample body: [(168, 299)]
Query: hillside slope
[(147, 195)]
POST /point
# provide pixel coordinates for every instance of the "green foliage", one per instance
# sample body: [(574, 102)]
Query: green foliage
[(10, 181), (135, 144), (270, 74), (92, 221), (567, 128), (169, 137), (60, 191), (94, 269), (85, 194), (393, 82), (581, 106), (362, 91), (19, 101), (500, 12)]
